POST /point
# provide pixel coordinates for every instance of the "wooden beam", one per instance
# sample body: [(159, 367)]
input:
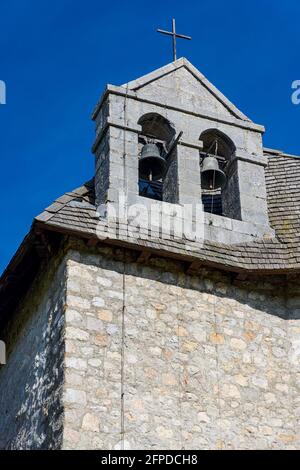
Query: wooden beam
[(193, 267), (143, 257), (92, 242)]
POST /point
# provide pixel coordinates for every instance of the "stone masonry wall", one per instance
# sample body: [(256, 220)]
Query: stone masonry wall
[(204, 362), (31, 381)]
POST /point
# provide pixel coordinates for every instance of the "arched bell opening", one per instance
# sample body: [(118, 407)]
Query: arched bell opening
[(154, 162), (219, 186), (225, 146)]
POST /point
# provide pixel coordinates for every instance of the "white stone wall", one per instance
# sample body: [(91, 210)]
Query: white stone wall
[(204, 363), (31, 382)]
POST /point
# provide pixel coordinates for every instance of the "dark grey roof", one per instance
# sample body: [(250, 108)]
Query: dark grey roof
[(75, 213)]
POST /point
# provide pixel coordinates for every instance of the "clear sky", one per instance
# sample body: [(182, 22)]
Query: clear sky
[(57, 55)]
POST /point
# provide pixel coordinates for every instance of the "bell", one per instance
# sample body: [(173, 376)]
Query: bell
[(211, 175), (151, 164)]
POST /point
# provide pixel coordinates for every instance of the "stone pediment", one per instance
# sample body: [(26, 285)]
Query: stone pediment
[(181, 85)]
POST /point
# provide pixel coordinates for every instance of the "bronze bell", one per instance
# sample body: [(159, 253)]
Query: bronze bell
[(211, 175), (151, 164)]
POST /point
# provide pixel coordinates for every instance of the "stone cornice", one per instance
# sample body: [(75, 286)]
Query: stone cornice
[(246, 157), (133, 127), (121, 91)]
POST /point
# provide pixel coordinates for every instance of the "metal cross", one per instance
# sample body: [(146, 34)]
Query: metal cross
[(174, 36)]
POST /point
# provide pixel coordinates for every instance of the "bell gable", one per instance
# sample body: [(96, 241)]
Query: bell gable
[(180, 84)]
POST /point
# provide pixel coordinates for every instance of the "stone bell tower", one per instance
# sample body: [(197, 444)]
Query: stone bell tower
[(177, 100), (160, 339)]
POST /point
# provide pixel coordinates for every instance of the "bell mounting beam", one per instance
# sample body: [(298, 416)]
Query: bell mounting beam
[(174, 37), (173, 144)]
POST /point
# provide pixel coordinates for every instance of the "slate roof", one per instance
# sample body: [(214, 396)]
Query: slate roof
[(75, 213)]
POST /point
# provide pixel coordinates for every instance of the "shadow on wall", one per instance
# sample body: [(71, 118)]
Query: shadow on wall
[(271, 295)]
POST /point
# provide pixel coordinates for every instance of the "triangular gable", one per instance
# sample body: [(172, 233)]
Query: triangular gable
[(181, 85)]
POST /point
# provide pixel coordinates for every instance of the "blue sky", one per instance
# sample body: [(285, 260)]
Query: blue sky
[(57, 55)]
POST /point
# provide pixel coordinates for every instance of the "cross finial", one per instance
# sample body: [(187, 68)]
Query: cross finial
[(174, 36)]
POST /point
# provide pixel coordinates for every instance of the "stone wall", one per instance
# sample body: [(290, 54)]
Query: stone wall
[(156, 358), (107, 352), (31, 381)]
